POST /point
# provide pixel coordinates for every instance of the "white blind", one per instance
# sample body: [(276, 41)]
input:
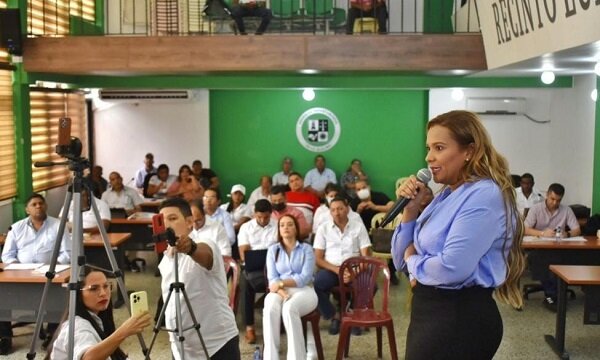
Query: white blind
[(8, 172), (47, 107)]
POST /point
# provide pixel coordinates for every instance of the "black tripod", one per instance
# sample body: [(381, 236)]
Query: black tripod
[(178, 287), (77, 165)]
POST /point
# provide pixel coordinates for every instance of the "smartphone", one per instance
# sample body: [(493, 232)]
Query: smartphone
[(139, 302), (158, 224)]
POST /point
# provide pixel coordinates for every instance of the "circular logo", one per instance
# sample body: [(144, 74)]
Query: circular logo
[(318, 129)]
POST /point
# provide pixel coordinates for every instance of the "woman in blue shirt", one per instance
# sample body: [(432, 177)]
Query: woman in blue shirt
[(290, 265), (462, 247)]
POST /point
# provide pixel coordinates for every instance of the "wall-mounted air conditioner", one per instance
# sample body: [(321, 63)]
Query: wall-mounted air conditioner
[(145, 95), (497, 105)]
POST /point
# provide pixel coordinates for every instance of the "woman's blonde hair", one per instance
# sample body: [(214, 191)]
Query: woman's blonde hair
[(487, 163)]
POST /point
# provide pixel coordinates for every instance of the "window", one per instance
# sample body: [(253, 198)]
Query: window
[(8, 172), (47, 106), (85, 9), (51, 17)]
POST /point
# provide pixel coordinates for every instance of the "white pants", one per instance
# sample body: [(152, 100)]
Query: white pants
[(301, 302)]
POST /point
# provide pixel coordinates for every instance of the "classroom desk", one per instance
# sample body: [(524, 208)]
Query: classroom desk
[(585, 276), (151, 205), (590, 243), (21, 293), (140, 230)]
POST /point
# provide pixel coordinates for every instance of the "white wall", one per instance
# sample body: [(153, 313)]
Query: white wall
[(6, 215), (175, 132), (559, 151)]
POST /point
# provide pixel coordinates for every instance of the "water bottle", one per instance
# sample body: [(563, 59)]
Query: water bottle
[(558, 233), (257, 354)]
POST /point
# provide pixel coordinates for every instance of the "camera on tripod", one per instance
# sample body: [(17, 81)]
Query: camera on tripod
[(68, 146), (160, 233)]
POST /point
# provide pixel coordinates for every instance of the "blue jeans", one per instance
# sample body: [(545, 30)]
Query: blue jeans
[(325, 280)]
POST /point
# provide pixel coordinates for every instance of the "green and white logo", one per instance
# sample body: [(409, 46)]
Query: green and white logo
[(318, 129)]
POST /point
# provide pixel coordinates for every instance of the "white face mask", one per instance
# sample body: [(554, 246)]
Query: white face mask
[(363, 194)]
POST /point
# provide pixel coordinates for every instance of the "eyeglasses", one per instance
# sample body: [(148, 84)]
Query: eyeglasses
[(96, 288)]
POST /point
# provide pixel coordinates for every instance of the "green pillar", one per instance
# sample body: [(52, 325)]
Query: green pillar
[(22, 116), (437, 16), (596, 182)]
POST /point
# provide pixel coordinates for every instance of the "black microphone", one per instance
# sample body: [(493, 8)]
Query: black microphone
[(424, 176)]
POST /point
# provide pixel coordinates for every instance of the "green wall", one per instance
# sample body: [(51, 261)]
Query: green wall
[(251, 131), (596, 181)]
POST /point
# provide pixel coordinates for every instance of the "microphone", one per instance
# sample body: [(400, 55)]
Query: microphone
[(424, 176), (130, 180)]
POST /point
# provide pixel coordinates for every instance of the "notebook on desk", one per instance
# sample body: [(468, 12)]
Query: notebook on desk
[(255, 260)]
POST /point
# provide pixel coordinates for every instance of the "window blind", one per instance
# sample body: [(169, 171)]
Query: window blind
[(47, 106), (8, 172), (48, 17)]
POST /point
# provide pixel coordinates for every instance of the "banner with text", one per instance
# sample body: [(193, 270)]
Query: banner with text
[(517, 30)]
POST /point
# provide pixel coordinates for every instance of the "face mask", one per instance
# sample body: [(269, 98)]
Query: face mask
[(363, 194), (279, 206), (329, 198)]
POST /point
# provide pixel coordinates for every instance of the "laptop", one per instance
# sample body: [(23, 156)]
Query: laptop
[(256, 260)]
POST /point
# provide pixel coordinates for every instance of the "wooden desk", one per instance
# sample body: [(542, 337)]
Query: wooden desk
[(151, 205), (590, 243), (140, 230), (21, 293), (569, 275)]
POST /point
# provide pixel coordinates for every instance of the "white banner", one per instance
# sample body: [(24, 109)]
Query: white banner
[(517, 30)]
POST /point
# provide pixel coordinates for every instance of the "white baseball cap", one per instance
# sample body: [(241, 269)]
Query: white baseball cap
[(238, 187)]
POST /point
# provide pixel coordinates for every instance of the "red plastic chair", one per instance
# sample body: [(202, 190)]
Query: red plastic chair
[(363, 274), (234, 291)]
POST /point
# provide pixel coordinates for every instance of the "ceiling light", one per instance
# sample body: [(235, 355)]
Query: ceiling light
[(547, 77), (308, 94), (594, 95), (457, 94)]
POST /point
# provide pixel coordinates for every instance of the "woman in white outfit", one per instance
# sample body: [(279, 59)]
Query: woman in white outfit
[(290, 265)]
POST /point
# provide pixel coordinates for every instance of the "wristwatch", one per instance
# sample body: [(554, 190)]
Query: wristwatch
[(281, 285), (192, 248)]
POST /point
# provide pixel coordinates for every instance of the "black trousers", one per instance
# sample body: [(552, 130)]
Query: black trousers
[(453, 324), (255, 283), (229, 351)]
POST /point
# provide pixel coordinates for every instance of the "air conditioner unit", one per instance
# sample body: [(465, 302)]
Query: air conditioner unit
[(145, 95), (497, 105)]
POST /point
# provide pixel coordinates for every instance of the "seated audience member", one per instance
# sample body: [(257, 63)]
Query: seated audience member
[(208, 229), (160, 182), (319, 176), (119, 196), (201, 269), (281, 178), (31, 240), (144, 171), (206, 177), (300, 198), (211, 202), (351, 176), (336, 241), (97, 183), (549, 219), (527, 195), (240, 212), (245, 8), (290, 264), (323, 214), (95, 334), (257, 234), (88, 218), (280, 208), (367, 8), (186, 186), (261, 192), (368, 203)]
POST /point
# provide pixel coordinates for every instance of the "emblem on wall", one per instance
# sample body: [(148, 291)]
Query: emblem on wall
[(318, 129)]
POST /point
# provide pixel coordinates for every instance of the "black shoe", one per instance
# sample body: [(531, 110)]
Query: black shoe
[(134, 267), (5, 346), (550, 303), (394, 280), (46, 342), (356, 331), (334, 327)]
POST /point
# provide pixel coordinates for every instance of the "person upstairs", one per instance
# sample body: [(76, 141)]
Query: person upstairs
[(256, 234), (123, 197), (31, 240), (281, 178), (527, 195), (549, 219), (368, 203), (246, 8), (319, 176), (209, 229), (211, 202), (367, 8), (261, 192), (160, 182), (301, 198), (145, 170), (335, 241), (280, 208)]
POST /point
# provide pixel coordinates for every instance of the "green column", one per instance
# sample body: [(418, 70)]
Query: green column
[(596, 183), (22, 116), (437, 16)]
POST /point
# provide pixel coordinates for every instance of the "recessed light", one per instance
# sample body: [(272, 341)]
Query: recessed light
[(547, 77)]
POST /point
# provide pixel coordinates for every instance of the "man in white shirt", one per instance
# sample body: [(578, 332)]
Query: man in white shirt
[(32, 240), (317, 178), (119, 196), (159, 183), (527, 195), (209, 229), (202, 272), (88, 219), (261, 192), (257, 234), (148, 168), (211, 201), (335, 242), (281, 178)]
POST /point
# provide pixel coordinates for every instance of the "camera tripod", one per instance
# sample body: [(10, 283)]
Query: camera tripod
[(76, 184), (179, 288)]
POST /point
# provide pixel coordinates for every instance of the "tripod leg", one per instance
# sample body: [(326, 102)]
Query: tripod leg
[(194, 321), (156, 329)]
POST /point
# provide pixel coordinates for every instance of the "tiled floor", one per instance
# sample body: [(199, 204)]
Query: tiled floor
[(523, 331)]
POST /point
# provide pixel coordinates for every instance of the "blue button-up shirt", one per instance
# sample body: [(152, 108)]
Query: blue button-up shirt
[(298, 267), (459, 239), (26, 245)]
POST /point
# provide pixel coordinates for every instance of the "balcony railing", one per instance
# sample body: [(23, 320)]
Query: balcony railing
[(207, 17)]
